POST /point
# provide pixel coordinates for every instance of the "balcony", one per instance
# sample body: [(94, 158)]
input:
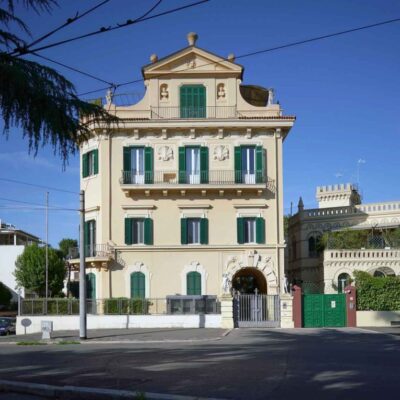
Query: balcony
[(96, 255), (180, 180), (217, 112)]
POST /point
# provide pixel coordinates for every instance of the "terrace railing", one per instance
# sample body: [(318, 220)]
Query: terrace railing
[(211, 177)]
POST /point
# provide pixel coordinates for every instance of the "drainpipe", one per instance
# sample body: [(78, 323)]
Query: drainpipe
[(277, 135)]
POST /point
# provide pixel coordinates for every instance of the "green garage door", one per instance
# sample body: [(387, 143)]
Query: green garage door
[(324, 310)]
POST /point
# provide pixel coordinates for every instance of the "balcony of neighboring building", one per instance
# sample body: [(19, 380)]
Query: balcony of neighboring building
[(96, 255)]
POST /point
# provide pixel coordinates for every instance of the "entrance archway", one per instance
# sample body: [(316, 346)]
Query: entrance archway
[(247, 280)]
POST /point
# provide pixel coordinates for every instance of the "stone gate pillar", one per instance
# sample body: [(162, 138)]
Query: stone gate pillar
[(286, 311), (227, 311), (351, 306), (297, 307)]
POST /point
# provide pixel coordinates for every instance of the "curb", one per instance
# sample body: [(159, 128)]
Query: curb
[(86, 393), (123, 341), (90, 341)]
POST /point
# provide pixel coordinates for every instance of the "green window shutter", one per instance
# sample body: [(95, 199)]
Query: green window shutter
[(238, 164), (91, 286), (127, 165), (86, 238), (148, 231), (96, 161), (148, 165), (85, 166), (193, 101), (182, 165), (240, 230), (138, 285), (183, 231), (203, 164), (260, 230), (128, 230), (193, 283), (259, 164), (204, 231)]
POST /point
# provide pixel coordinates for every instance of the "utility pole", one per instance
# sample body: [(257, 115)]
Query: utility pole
[(82, 272), (47, 248)]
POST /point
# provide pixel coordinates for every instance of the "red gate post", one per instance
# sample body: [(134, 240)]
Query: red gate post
[(351, 306), (297, 307)]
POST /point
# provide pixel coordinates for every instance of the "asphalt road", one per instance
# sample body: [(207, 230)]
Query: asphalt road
[(246, 364)]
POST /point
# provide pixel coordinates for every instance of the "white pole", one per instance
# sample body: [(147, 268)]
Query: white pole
[(82, 274), (47, 248)]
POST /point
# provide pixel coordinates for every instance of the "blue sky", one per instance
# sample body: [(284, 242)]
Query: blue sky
[(344, 91)]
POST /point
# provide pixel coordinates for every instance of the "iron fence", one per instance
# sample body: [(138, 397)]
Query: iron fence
[(212, 177), (123, 306)]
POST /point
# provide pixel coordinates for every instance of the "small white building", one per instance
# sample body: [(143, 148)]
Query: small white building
[(339, 208), (12, 244)]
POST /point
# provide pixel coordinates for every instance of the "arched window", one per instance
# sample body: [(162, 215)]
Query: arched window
[(311, 247), (138, 285), (343, 281), (91, 286), (193, 283)]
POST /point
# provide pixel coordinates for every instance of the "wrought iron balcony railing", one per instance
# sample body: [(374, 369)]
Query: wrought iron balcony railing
[(213, 177), (193, 112), (94, 250)]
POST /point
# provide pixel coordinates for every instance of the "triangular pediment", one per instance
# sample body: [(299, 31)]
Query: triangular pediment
[(192, 60)]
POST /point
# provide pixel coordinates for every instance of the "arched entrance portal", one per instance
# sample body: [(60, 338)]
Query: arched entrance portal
[(247, 280)]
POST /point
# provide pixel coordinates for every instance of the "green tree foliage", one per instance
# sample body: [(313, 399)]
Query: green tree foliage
[(5, 295), (30, 271), (65, 244), (377, 293), (37, 98)]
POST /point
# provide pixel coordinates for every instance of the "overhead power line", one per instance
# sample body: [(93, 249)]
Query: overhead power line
[(73, 69), (37, 205), (104, 29), (68, 22), (38, 186), (253, 53)]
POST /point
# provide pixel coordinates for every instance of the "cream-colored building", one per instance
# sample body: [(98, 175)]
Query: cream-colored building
[(185, 195), (340, 208)]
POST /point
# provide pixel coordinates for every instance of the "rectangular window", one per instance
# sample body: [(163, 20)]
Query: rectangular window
[(193, 101), (248, 164), (193, 230), (90, 238), (90, 163), (137, 165), (249, 225), (138, 231), (251, 230), (192, 165)]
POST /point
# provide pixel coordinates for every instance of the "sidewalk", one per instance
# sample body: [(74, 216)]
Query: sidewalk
[(128, 335)]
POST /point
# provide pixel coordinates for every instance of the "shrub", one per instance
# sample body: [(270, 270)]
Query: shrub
[(377, 293), (123, 305)]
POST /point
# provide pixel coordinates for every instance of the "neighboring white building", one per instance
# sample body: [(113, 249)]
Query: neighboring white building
[(340, 208), (12, 244)]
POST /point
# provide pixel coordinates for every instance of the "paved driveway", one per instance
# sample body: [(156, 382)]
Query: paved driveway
[(246, 364)]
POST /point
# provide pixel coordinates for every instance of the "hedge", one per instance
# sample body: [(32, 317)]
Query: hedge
[(123, 305), (377, 293)]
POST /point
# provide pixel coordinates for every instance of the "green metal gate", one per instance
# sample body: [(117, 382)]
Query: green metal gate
[(324, 310)]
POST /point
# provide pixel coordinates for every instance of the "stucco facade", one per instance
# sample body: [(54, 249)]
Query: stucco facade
[(165, 139)]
